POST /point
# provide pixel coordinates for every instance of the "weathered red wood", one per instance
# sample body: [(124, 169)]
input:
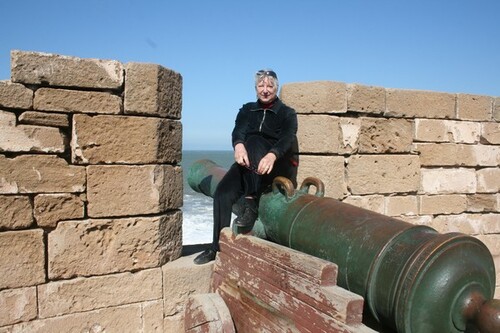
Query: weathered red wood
[(271, 288), (334, 301), (289, 259), (207, 313)]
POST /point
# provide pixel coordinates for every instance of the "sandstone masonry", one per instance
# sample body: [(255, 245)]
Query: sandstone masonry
[(425, 157)]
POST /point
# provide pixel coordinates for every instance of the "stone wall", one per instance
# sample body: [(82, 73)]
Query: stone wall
[(90, 196), (425, 157)]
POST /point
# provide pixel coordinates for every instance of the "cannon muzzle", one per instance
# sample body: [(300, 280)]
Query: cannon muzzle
[(412, 278)]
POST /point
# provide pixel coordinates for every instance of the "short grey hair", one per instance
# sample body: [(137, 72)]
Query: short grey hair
[(270, 74)]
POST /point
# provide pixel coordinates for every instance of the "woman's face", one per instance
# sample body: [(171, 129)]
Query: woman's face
[(266, 90)]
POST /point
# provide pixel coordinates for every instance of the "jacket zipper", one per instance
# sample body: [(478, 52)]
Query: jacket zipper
[(262, 122)]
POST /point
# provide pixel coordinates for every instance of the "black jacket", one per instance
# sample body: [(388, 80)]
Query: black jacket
[(277, 124)]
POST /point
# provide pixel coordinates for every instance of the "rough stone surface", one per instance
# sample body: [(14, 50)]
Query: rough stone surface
[(448, 181), (64, 71), (490, 133), (375, 203), (368, 174), (17, 305), (401, 205), (316, 97), (126, 318), (470, 224), (40, 174), (44, 119), (153, 90), (482, 203), (431, 130), (52, 208), (115, 190), (415, 103), (15, 212), (125, 140), (488, 180), (329, 169), (474, 107), (22, 258), (442, 204), (366, 99), (446, 154), (152, 317), (74, 101), (382, 136), (15, 95), (85, 294), (496, 109), (182, 278), (104, 246), (318, 133), (27, 138)]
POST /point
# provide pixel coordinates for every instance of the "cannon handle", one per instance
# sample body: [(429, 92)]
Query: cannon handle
[(320, 186)]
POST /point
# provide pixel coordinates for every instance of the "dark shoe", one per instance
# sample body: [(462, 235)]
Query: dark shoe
[(204, 257), (247, 219)]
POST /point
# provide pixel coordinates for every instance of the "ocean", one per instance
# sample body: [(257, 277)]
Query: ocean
[(197, 209)]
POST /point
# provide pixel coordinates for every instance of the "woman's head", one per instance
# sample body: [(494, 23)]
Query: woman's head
[(266, 85)]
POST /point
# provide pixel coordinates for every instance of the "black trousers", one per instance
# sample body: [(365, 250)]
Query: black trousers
[(242, 181)]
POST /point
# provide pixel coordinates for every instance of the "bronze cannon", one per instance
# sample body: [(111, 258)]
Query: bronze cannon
[(413, 279)]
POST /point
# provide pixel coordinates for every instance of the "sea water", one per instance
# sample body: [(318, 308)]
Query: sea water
[(197, 226)]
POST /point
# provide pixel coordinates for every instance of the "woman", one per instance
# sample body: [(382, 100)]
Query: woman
[(264, 142)]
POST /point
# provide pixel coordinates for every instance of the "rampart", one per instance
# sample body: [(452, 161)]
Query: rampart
[(91, 183)]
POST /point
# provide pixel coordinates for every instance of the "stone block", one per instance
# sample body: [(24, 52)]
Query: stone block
[(430, 130), (17, 305), (125, 140), (420, 104), (73, 101), (490, 133), (27, 138), (488, 180), (120, 190), (446, 154), (44, 119), (470, 224), (15, 212), (104, 246), (368, 174), (380, 136), (496, 109), (318, 134), (64, 71), (329, 169), (365, 99), (152, 317), (15, 96), (126, 318), (487, 155), (442, 204), (474, 107), (350, 129), (173, 323), (375, 203), (401, 205), (52, 208), (316, 97), (22, 258), (482, 203), (85, 294), (448, 181), (152, 90), (40, 174), (182, 278)]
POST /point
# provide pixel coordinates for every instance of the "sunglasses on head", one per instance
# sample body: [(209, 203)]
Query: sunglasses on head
[(267, 73)]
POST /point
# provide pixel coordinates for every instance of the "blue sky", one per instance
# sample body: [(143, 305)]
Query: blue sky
[(448, 46)]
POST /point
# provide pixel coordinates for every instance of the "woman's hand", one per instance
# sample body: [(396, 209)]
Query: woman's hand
[(266, 164), (240, 155)]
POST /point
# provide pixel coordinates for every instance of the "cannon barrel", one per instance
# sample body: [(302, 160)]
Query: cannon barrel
[(413, 278)]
